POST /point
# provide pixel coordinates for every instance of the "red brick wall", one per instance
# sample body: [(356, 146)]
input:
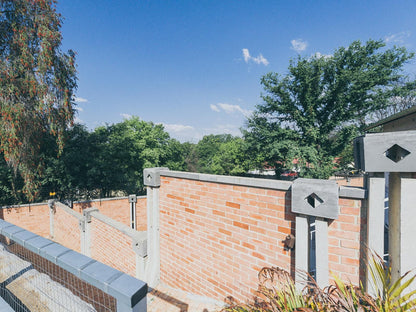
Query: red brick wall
[(34, 218), (66, 230), (112, 247), (344, 237), (214, 238)]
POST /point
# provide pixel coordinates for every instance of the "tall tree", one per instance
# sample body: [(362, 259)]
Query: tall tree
[(312, 113), (37, 81)]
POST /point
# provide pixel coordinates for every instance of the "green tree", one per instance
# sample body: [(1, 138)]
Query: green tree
[(220, 154), (37, 81), (312, 113), (124, 149)]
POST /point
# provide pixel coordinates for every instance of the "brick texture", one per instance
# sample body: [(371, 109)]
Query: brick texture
[(66, 230), (216, 237), (112, 247), (34, 218)]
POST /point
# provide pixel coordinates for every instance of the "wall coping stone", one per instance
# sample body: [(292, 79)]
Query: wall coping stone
[(139, 238), (123, 287), (75, 202), (69, 211), (344, 191)]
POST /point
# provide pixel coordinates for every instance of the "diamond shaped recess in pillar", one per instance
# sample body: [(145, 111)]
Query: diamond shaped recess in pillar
[(396, 153), (314, 200), (318, 198)]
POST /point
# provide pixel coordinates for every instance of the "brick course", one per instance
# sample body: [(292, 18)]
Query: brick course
[(214, 237)]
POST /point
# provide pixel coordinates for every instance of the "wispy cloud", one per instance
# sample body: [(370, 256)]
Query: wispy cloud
[(214, 108), (125, 116), (79, 108), (79, 99), (398, 37), (320, 55), (224, 128), (299, 45), (260, 59), (177, 127), (229, 108)]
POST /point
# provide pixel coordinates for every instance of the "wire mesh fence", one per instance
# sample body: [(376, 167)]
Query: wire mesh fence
[(29, 282)]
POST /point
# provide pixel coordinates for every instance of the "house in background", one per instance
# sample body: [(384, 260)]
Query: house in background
[(402, 121)]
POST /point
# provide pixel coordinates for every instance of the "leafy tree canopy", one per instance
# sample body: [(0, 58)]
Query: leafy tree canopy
[(312, 113), (37, 81), (218, 154)]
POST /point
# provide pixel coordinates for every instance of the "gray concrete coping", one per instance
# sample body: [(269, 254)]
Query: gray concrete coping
[(75, 202), (69, 210), (139, 239), (344, 191), (123, 287)]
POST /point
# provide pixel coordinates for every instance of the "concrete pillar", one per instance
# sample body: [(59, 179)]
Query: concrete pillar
[(375, 220), (133, 201), (86, 231), (408, 227), (301, 250), (51, 204), (321, 252), (408, 224), (153, 237), (151, 178), (394, 224)]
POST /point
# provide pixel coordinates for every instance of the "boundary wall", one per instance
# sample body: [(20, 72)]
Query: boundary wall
[(217, 232), (86, 230), (35, 217)]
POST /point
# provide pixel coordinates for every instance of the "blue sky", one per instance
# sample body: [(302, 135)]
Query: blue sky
[(195, 66)]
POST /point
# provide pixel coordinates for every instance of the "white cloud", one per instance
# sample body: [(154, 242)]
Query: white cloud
[(398, 37), (214, 108), (258, 60), (79, 99), (79, 108), (224, 128), (230, 108), (177, 127), (246, 55), (299, 45), (125, 116), (324, 56)]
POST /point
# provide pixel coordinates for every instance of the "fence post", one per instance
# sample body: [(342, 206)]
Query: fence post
[(51, 204), (317, 198), (301, 250), (86, 231), (151, 177), (395, 153), (375, 219), (321, 247)]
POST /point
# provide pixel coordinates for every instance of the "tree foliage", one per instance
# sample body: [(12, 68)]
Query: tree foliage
[(108, 161), (37, 81), (217, 154), (312, 113)]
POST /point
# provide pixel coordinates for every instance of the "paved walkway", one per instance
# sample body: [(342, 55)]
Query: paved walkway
[(167, 299)]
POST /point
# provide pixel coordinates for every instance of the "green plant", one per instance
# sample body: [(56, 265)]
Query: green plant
[(278, 293), (391, 295)]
